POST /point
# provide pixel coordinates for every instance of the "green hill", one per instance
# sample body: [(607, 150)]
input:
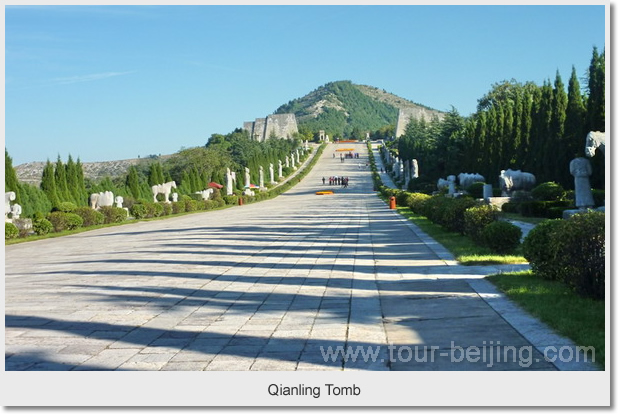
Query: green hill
[(345, 109)]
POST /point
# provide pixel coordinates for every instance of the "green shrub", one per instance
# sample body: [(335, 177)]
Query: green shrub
[(113, 214), (453, 214), (58, 220), (66, 207), (138, 211), (433, 208), (178, 207), (501, 236), (422, 184), (89, 216), (74, 221), (540, 208), (402, 198), (539, 249), (10, 231), (549, 191), (580, 249), (167, 209), (477, 218), (475, 190), (511, 207), (190, 205), (157, 209), (416, 201), (42, 226)]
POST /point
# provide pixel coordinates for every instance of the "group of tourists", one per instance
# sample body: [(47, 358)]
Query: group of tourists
[(342, 181)]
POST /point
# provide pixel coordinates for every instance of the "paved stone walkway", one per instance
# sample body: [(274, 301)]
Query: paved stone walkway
[(265, 286)]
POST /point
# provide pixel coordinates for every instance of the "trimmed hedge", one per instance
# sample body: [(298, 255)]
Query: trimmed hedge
[(10, 231), (477, 218), (501, 236), (42, 226), (549, 191), (64, 221), (89, 216), (572, 251)]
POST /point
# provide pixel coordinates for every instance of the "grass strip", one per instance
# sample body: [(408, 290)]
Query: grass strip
[(466, 252), (580, 319)]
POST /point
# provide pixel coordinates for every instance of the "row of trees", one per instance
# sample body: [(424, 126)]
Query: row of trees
[(192, 169), (538, 129)]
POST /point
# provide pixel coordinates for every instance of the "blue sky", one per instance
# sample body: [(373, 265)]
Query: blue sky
[(106, 83)]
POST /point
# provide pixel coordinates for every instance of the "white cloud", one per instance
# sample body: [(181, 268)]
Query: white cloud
[(88, 78)]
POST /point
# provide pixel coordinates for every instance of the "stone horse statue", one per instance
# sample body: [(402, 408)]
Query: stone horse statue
[(102, 199), (594, 140), (164, 189), (205, 193)]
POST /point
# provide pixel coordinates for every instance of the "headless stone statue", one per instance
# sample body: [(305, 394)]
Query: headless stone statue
[(581, 169)]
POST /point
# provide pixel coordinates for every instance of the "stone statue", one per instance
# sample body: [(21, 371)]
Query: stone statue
[(581, 169), (280, 169), (261, 177), (164, 189), (8, 197), (465, 179), (271, 170), (175, 197), (515, 180), (205, 193), (102, 199), (594, 140), (287, 161), (15, 211), (414, 168), (119, 200), (451, 184), (229, 185), (247, 178)]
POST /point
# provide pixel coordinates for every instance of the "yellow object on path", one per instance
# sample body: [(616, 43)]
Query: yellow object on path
[(324, 192)]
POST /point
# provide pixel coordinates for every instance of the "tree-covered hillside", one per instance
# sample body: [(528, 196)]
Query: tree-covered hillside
[(344, 109)]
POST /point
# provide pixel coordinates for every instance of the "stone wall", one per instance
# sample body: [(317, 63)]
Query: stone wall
[(405, 114), (281, 125)]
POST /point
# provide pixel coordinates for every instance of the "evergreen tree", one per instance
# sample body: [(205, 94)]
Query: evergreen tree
[(558, 164), (133, 182), (48, 184), (10, 176), (596, 92), (62, 189), (156, 174)]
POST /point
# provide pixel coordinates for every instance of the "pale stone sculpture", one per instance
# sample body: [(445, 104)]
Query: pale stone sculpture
[(414, 168), (581, 169), (261, 177), (164, 189), (15, 211), (8, 197), (442, 183), (229, 185), (102, 199), (271, 170), (594, 140), (451, 184), (205, 193), (488, 191), (119, 200), (293, 163), (515, 180), (175, 197), (287, 161), (280, 171), (247, 178), (465, 179)]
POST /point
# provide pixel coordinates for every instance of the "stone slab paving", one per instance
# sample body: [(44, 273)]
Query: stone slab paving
[(265, 286)]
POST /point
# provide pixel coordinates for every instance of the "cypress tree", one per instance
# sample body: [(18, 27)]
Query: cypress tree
[(596, 92), (133, 182), (72, 179), (62, 189), (10, 176), (81, 185), (48, 184), (558, 164), (574, 123)]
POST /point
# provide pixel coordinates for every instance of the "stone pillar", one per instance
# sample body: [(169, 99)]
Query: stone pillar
[(451, 184), (229, 185), (414, 168), (488, 192), (581, 169)]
